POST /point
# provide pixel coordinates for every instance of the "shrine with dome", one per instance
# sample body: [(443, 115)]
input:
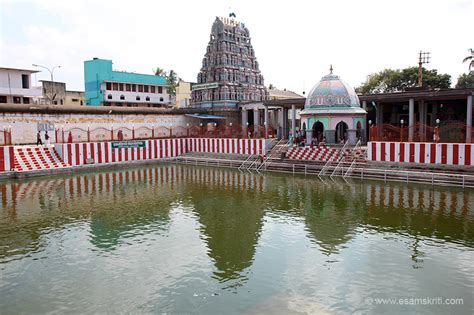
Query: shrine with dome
[(332, 112)]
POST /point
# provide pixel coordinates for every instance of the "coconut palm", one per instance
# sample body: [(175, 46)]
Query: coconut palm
[(470, 59), (159, 71)]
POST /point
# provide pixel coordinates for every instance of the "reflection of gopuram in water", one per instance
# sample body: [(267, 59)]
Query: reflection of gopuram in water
[(230, 207), (231, 220)]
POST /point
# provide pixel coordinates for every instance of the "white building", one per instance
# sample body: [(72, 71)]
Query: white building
[(15, 86)]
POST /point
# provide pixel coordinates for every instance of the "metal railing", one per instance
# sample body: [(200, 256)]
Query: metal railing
[(406, 176), (279, 147), (353, 157)]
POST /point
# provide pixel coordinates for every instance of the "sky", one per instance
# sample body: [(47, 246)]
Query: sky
[(295, 41)]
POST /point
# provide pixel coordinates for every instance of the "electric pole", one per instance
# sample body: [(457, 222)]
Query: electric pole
[(422, 59)]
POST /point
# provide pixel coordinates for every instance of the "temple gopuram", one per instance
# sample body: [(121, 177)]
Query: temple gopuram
[(230, 72)]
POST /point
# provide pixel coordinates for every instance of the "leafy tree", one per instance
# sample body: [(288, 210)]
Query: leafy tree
[(470, 59), (465, 81), (389, 80), (172, 81), (271, 87)]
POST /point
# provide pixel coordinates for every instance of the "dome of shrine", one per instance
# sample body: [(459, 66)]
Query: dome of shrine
[(332, 92)]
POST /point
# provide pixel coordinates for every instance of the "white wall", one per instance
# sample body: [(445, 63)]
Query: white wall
[(25, 125), (130, 97), (11, 83)]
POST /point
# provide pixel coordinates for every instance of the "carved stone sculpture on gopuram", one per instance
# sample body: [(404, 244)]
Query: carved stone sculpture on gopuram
[(230, 72)]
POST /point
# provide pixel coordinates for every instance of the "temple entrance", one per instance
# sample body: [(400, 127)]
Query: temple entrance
[(318, 131), (341, 132), (358, 131)]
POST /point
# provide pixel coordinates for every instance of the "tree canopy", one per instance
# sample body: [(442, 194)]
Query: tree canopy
[(390, 80), (465, 81), (171, 79)]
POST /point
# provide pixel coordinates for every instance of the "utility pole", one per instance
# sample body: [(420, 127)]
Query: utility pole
[(422, 59), (51, 71)]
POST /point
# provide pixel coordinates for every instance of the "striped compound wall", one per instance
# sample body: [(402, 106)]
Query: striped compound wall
[(27, 158), (7, 160), (229, 146), (423, 153), (102, 152)]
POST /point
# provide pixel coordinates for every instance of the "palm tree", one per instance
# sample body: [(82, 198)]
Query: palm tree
[(159, 71), (470, 59)]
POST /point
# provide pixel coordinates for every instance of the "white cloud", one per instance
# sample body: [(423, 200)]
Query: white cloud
[(295, 41)]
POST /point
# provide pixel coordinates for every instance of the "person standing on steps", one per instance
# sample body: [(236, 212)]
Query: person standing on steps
[(46, 137), (38, 138)]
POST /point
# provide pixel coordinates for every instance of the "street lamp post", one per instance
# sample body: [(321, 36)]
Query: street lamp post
[(51, 72), (401, 130), (436, 131)]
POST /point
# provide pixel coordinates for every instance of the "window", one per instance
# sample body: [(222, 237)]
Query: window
[(25, 81), (115, 86), (160, 89), (75, 100), (134, 88), (108, 86), (161, 99), (138, 98), (61, 101), (122, 97), (120, 86), (82, 103), (148, 98), (16, 100), (152, 89), (26, 100), (128, 87), (145, 88), (3, 99), (109, 97), (140, 88)]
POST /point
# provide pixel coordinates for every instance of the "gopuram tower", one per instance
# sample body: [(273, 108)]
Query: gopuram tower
[(230, 72)]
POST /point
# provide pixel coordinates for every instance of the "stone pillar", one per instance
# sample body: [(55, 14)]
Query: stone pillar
[(469, 120), (351, 136), (285, 123), (411, 119), (256, 122), (245, 117), (364, 105), (379, 119), (434, 114), (266, 120), (293, 120)]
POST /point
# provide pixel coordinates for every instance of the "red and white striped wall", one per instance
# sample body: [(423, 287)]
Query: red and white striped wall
[(23, 158), (229, 146), (7, 158), (102, 152), (423, 153)]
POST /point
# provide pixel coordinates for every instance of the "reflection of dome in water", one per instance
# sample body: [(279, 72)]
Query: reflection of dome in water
[(331, 91)]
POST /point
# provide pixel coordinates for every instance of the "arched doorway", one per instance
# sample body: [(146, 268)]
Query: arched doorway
[(341, 132), (318, 131), (358, 131)]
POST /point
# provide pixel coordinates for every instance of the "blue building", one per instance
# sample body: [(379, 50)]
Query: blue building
[(105, 87)]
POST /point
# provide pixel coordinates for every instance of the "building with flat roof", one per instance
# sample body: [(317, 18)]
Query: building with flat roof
[(106, 87), (55, 93), (15, 86)]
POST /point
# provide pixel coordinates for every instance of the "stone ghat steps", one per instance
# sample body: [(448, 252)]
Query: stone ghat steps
[(321, 154), (34, 158)]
